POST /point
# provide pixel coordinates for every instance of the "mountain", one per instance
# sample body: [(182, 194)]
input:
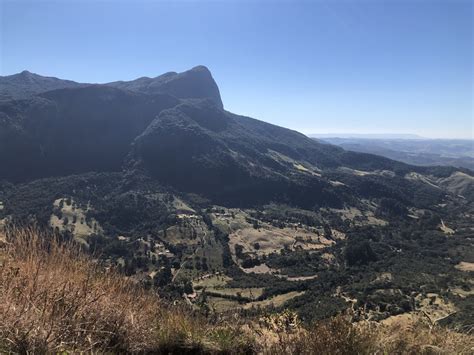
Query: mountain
[(26, 84), (392, 136), (67, 131), (172, 136), (427, 152), (157, 178), (196, 83)]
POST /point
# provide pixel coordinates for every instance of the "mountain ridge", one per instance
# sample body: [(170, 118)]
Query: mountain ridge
[(194, 83)]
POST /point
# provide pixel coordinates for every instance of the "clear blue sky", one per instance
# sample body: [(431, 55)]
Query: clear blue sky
[(315, 66)]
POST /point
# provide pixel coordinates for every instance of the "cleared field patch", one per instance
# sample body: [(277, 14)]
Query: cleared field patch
[(422, 178), (181, 206), (229, 220), (222, 304), (465, 266), (359, 217), (386, 173), (299, 278), (299, 166), (219, 304), (269, 239), (459, 183), (445, 229), (260, 269), (275, 301), (211, 281), (250, 293), (336, 183), (69, 216), (188, 231), (462, 293)]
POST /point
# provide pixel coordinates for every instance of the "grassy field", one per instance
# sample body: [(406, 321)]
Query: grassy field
[(71, 217), (211, 281), (275, 301), (251, 292), (465, 266)]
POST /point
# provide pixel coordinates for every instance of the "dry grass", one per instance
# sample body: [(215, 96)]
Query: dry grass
[(339, 336), (333, 336), (418, 335), (54, 298), (465, 266)]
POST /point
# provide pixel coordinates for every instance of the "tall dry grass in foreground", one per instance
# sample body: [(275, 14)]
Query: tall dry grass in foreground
[(53, 298), (339, 336)]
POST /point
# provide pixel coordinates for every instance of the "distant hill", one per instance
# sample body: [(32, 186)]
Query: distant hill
[(427, 152), (367, 136)]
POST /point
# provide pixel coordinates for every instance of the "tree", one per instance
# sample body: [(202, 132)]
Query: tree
[(188, 287), (359, 253), (255, 224), (239, 250), (164, 276), (205, 267)]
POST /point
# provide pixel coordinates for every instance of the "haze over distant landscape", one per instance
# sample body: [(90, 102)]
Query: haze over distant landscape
[(317, 67), (411, 149)]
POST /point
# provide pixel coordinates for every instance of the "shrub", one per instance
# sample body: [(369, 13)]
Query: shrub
[(333, 336)]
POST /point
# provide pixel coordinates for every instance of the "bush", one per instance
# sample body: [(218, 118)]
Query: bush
[(359, 253), (334, 336)]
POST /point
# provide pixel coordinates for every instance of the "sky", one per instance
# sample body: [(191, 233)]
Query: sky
[(394, 66)]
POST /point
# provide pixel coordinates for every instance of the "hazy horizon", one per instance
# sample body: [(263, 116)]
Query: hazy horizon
[(362, 68)]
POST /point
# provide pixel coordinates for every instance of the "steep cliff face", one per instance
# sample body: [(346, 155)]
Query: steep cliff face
[(196, 83)]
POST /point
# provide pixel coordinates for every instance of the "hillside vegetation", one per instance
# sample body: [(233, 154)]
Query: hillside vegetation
[(54, 298)]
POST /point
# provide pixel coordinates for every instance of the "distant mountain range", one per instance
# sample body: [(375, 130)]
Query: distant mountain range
[(452, 152), (195, 83), (367, 135)]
